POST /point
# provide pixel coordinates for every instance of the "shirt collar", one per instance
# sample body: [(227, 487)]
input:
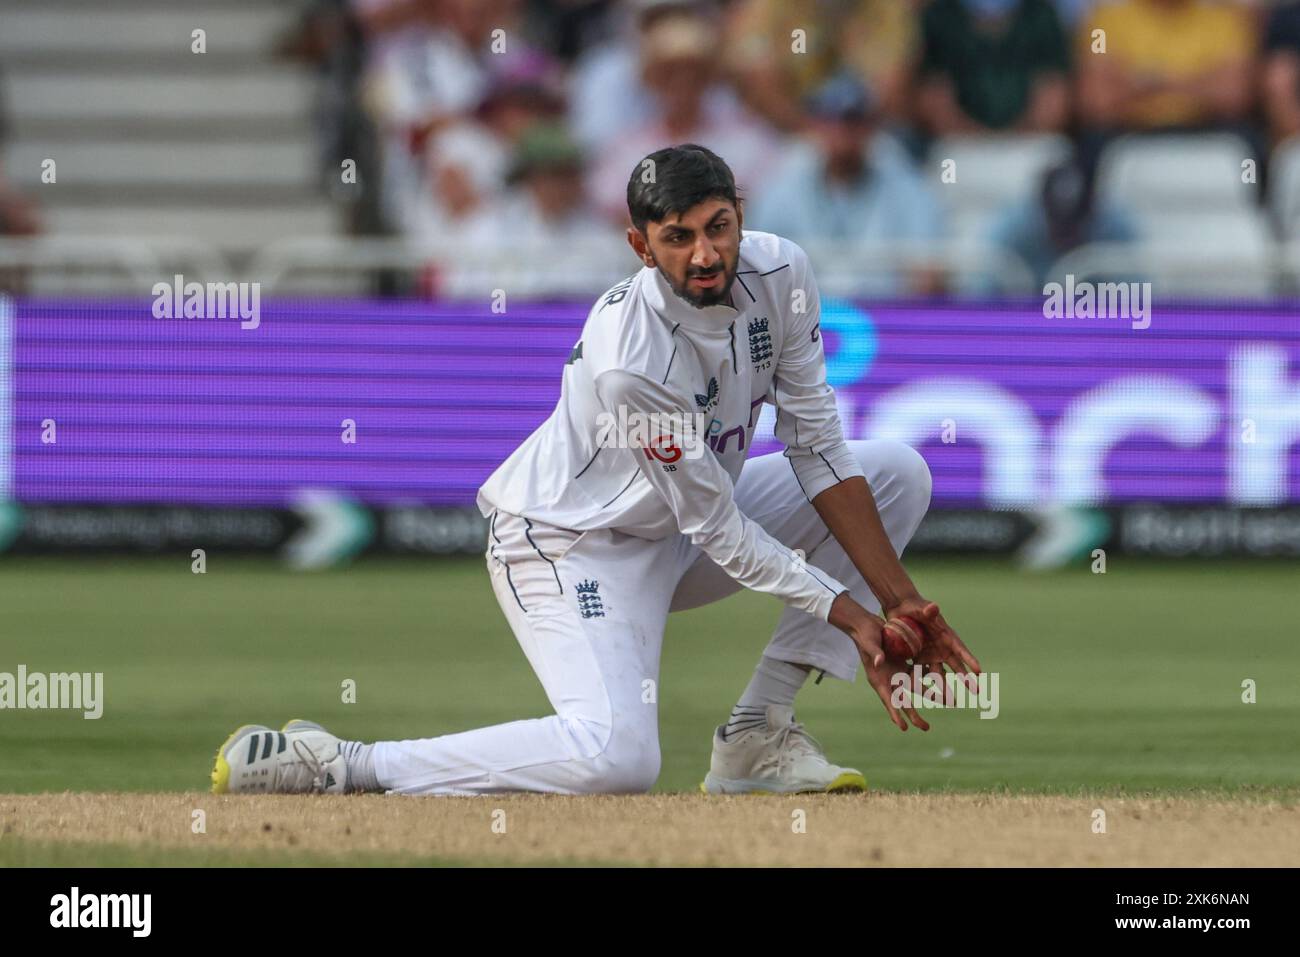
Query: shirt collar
[(707, 319)]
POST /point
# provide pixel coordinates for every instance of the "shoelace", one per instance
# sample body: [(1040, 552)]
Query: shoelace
[(802, 743), (307, 760)]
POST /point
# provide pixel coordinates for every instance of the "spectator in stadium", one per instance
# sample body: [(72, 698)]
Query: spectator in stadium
[(17, 213), (467, 162), (385, 25), (328, 37), (1166, 65), (547, 206), (1073, 12), (781, 51), (565, 28), (608, 96), (1281, 72), (849, 182), (679, 69), (524, 89), (1064, 214), (543, 233), (435, 70), (992, 65), (465, 174)]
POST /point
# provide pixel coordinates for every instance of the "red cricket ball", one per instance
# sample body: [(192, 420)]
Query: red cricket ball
[(903, 638)]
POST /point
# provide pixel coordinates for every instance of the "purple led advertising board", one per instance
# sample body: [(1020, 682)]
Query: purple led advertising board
[(101, 403)]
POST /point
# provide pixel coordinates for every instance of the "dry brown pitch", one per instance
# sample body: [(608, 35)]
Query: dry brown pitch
[(679, 829)]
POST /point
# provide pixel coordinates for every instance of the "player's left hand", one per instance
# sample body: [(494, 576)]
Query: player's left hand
[(939, 645)]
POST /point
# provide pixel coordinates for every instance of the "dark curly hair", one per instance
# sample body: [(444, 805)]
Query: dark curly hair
[(674, 179)]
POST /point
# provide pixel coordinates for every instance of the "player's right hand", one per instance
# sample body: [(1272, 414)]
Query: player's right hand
[(867, 633)]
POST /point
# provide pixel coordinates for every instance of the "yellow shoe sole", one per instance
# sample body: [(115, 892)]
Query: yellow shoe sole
[(220, 767), (848, 781)]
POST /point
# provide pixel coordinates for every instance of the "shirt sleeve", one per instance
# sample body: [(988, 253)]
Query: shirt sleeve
[(807, 418), (674, 458)]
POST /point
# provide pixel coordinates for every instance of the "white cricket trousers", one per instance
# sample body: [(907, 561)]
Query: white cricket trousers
[(589, 610)]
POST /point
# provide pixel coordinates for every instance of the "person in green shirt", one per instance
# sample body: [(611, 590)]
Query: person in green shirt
[(992, 65)]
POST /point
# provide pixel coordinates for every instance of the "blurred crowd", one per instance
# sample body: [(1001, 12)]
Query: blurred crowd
[(518, 122), (18, 214)]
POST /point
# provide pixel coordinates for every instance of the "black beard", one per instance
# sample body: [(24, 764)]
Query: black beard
[(706, 297)]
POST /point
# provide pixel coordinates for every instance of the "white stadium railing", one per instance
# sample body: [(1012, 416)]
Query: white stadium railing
[(1179, 271), (589, 269), (58, 264), (52, 264), (61, 264)]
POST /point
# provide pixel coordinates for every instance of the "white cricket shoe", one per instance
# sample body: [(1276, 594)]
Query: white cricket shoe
[(300, 758), (780, 758)]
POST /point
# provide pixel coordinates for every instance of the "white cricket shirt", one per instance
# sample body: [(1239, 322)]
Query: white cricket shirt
[(649, 351)]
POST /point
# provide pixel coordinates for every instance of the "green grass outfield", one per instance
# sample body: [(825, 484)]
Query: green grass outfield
[(1125, 682)]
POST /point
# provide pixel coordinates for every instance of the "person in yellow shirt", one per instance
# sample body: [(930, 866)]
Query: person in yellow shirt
[(1162, 64)]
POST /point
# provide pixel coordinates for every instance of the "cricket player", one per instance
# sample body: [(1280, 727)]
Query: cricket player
[(635, 499)]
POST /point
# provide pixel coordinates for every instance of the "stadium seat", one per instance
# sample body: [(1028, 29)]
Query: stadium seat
[(152, 139), (1210, 230), (992, 172), (1176, 172), (1284, 188), (1188, 253), (1202, 223)]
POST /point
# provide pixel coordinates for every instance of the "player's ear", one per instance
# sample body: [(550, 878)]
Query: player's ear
[(740, 212), (640, 245)]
